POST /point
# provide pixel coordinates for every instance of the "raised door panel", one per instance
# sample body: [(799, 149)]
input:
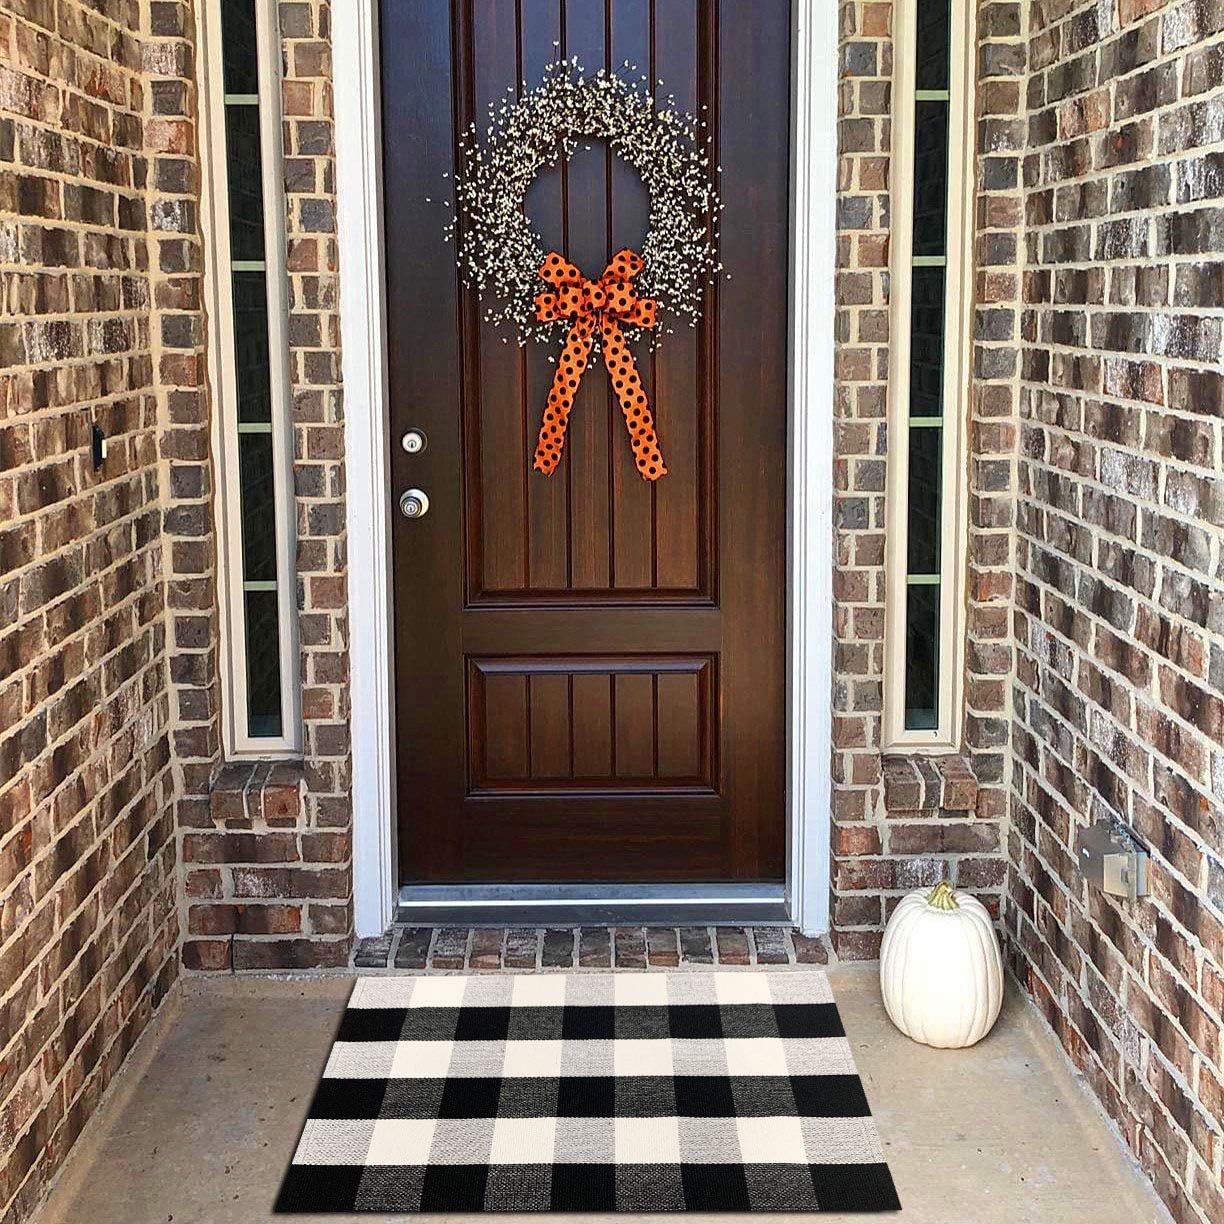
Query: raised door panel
[(592, 725), (594, 532)]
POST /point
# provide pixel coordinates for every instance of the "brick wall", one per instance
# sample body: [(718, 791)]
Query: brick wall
[(110, 739), (88, 921), (267, 850), (889, 837), (1120, 603)]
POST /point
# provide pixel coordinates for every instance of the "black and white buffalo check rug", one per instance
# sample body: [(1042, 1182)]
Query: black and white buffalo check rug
[(689, 1091)]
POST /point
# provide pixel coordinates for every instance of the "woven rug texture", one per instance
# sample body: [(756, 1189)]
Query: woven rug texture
[(590, 1092)]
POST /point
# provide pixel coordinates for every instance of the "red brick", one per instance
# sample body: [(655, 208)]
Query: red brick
[(558, 949), (662, 947), (290, 954), (486, 951), (630, 948), (210, 955), (522, 948), (733, 946), (809, 951), (595, 948)]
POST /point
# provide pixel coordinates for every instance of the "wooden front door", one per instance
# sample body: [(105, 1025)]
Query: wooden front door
[(591, 669)]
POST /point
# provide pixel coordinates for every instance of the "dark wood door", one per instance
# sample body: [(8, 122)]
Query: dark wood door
[(590, 667)]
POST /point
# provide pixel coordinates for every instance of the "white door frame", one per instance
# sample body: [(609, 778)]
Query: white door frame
[(367, 455)]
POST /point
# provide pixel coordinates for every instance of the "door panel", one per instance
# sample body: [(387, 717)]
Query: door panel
[(590, 667), (597, 531), (591, 725)]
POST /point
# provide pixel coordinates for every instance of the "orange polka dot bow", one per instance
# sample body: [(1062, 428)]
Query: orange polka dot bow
[(604, 303)]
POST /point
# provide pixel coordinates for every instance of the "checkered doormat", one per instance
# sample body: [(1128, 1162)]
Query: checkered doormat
[(691, 1091)]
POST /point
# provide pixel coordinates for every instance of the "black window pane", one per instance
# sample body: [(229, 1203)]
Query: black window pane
[(927, 297), (252, 357), (252, 408), (926, 342), (921, 658), (245, 182), (264, 716), (930, 177), (258, 507), (934, 27), (925, 494), (240, 59)]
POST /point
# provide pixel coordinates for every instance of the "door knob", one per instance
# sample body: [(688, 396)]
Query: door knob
[(414, 503)]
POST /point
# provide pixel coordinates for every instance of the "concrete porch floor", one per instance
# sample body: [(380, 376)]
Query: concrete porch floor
[(201, 1124)]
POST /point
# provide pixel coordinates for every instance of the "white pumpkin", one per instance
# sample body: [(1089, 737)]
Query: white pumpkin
[(940, 968)]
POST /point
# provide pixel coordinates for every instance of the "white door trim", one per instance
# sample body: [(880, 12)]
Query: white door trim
[(359, 217), (367, 460), (812, 310)]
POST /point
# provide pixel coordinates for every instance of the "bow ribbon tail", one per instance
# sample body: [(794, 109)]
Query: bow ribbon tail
[(574, 358), (634, 406)]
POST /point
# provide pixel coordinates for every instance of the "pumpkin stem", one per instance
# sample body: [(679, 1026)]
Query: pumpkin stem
[(942, 897)]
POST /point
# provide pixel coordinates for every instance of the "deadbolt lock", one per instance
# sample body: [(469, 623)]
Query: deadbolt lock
[(414, 441), (414, 503)]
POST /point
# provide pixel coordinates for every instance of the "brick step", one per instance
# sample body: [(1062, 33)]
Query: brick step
[(487, 948)]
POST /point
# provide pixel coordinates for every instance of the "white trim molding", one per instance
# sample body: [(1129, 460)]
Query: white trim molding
[(812, 384), (358, 144), (367, 459)]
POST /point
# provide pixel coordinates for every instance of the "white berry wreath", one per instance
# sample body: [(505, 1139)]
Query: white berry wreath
[(499, 251)]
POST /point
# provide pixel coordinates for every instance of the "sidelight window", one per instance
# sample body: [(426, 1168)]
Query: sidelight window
[(929, 371), (245, 246)]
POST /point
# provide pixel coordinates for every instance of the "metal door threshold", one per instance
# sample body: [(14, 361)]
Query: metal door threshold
[(566, 905)]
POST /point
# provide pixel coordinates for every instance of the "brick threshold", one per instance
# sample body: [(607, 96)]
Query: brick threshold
[(486, 949)]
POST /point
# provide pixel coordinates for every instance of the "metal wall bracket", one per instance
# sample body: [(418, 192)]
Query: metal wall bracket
[(1113, 860)]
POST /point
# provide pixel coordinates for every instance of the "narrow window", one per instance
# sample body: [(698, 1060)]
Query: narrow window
[(249, 366), (931, 291)]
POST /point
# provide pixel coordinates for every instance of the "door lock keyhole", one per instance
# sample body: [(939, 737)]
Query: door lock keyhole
[(414, 503)]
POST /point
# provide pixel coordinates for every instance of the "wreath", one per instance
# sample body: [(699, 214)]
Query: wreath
[(501, 256)]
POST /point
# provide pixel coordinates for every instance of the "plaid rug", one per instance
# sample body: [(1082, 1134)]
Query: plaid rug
[(695, 1091)]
